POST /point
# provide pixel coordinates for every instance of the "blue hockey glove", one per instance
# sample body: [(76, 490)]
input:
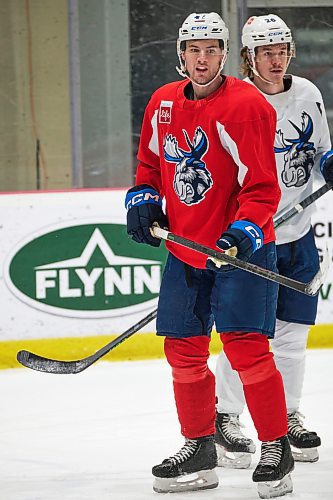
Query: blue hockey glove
[(241, 239), (326, 166), (144, 207)]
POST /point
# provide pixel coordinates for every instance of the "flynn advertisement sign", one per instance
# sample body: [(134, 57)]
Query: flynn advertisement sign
[(68, 267), (84, 270)]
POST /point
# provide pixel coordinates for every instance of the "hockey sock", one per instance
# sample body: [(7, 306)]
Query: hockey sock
[(229, 388), (267, 406), (289, 348), (249, 354), (193, 384)]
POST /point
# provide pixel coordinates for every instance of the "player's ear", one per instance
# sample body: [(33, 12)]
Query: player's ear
[(182, 54)]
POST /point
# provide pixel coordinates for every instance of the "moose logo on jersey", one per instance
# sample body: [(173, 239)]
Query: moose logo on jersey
[(299, 153), (192, 179)]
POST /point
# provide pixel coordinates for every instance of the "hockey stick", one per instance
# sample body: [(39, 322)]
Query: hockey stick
[(41, 364), (297, 209), (311, 288)]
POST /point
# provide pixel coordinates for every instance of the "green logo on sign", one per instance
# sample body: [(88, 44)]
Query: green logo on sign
[(88, 270)]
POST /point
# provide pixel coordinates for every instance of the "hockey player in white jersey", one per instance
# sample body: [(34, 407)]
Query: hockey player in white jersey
[(303, 151)]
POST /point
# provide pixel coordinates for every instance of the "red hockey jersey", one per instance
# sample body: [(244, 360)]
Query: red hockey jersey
[(212, 160)]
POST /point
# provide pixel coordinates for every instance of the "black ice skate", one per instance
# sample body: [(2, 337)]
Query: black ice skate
[(196, 459), (304, 443), (272, 471), (233, 448)]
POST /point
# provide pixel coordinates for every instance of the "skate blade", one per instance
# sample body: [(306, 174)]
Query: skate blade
[(232, 459), (305, 454), (201, 480), (273, 489)]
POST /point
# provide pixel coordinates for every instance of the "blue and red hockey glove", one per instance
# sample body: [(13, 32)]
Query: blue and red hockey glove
[(144, 208), (241, 239)]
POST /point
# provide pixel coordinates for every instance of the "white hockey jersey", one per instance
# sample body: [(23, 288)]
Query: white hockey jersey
[(302, 137)]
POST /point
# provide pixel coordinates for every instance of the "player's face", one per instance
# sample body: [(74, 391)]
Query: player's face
[(272, 62), (202, 59)]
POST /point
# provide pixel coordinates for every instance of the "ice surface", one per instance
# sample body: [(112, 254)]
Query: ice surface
[(96, 435)]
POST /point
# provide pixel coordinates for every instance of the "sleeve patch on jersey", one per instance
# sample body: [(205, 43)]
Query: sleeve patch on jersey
[(165, 112)]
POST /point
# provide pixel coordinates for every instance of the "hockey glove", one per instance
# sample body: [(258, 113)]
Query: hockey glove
[(144, 207), (241, 239), (326, 166)]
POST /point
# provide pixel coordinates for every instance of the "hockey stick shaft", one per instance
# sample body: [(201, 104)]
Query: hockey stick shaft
[(297, 209), (311, 288), (39, 363)]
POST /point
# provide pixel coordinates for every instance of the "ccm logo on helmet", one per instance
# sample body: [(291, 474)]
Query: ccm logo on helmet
[(275, 33), (196, 28)]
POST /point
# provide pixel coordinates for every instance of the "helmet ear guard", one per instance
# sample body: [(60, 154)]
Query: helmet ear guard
[(204, 26)]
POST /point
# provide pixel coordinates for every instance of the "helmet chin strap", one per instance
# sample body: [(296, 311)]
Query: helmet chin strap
[(183, 72), (256, 72)]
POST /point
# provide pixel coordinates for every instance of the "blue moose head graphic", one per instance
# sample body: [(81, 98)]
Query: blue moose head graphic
[(192, 179), (299, 154)]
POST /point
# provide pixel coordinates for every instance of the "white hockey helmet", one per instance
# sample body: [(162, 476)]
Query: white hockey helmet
[(266, 30), (203, 26)]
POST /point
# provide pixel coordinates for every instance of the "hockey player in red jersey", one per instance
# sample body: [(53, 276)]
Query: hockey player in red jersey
[(207, 148), (302, 150)]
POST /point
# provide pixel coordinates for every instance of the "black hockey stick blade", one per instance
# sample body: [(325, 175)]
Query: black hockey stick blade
[(311, 288), (47, 365), (297, 209)]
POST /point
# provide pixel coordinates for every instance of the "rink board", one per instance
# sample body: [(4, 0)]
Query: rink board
[(140, 346), (71, 280)]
